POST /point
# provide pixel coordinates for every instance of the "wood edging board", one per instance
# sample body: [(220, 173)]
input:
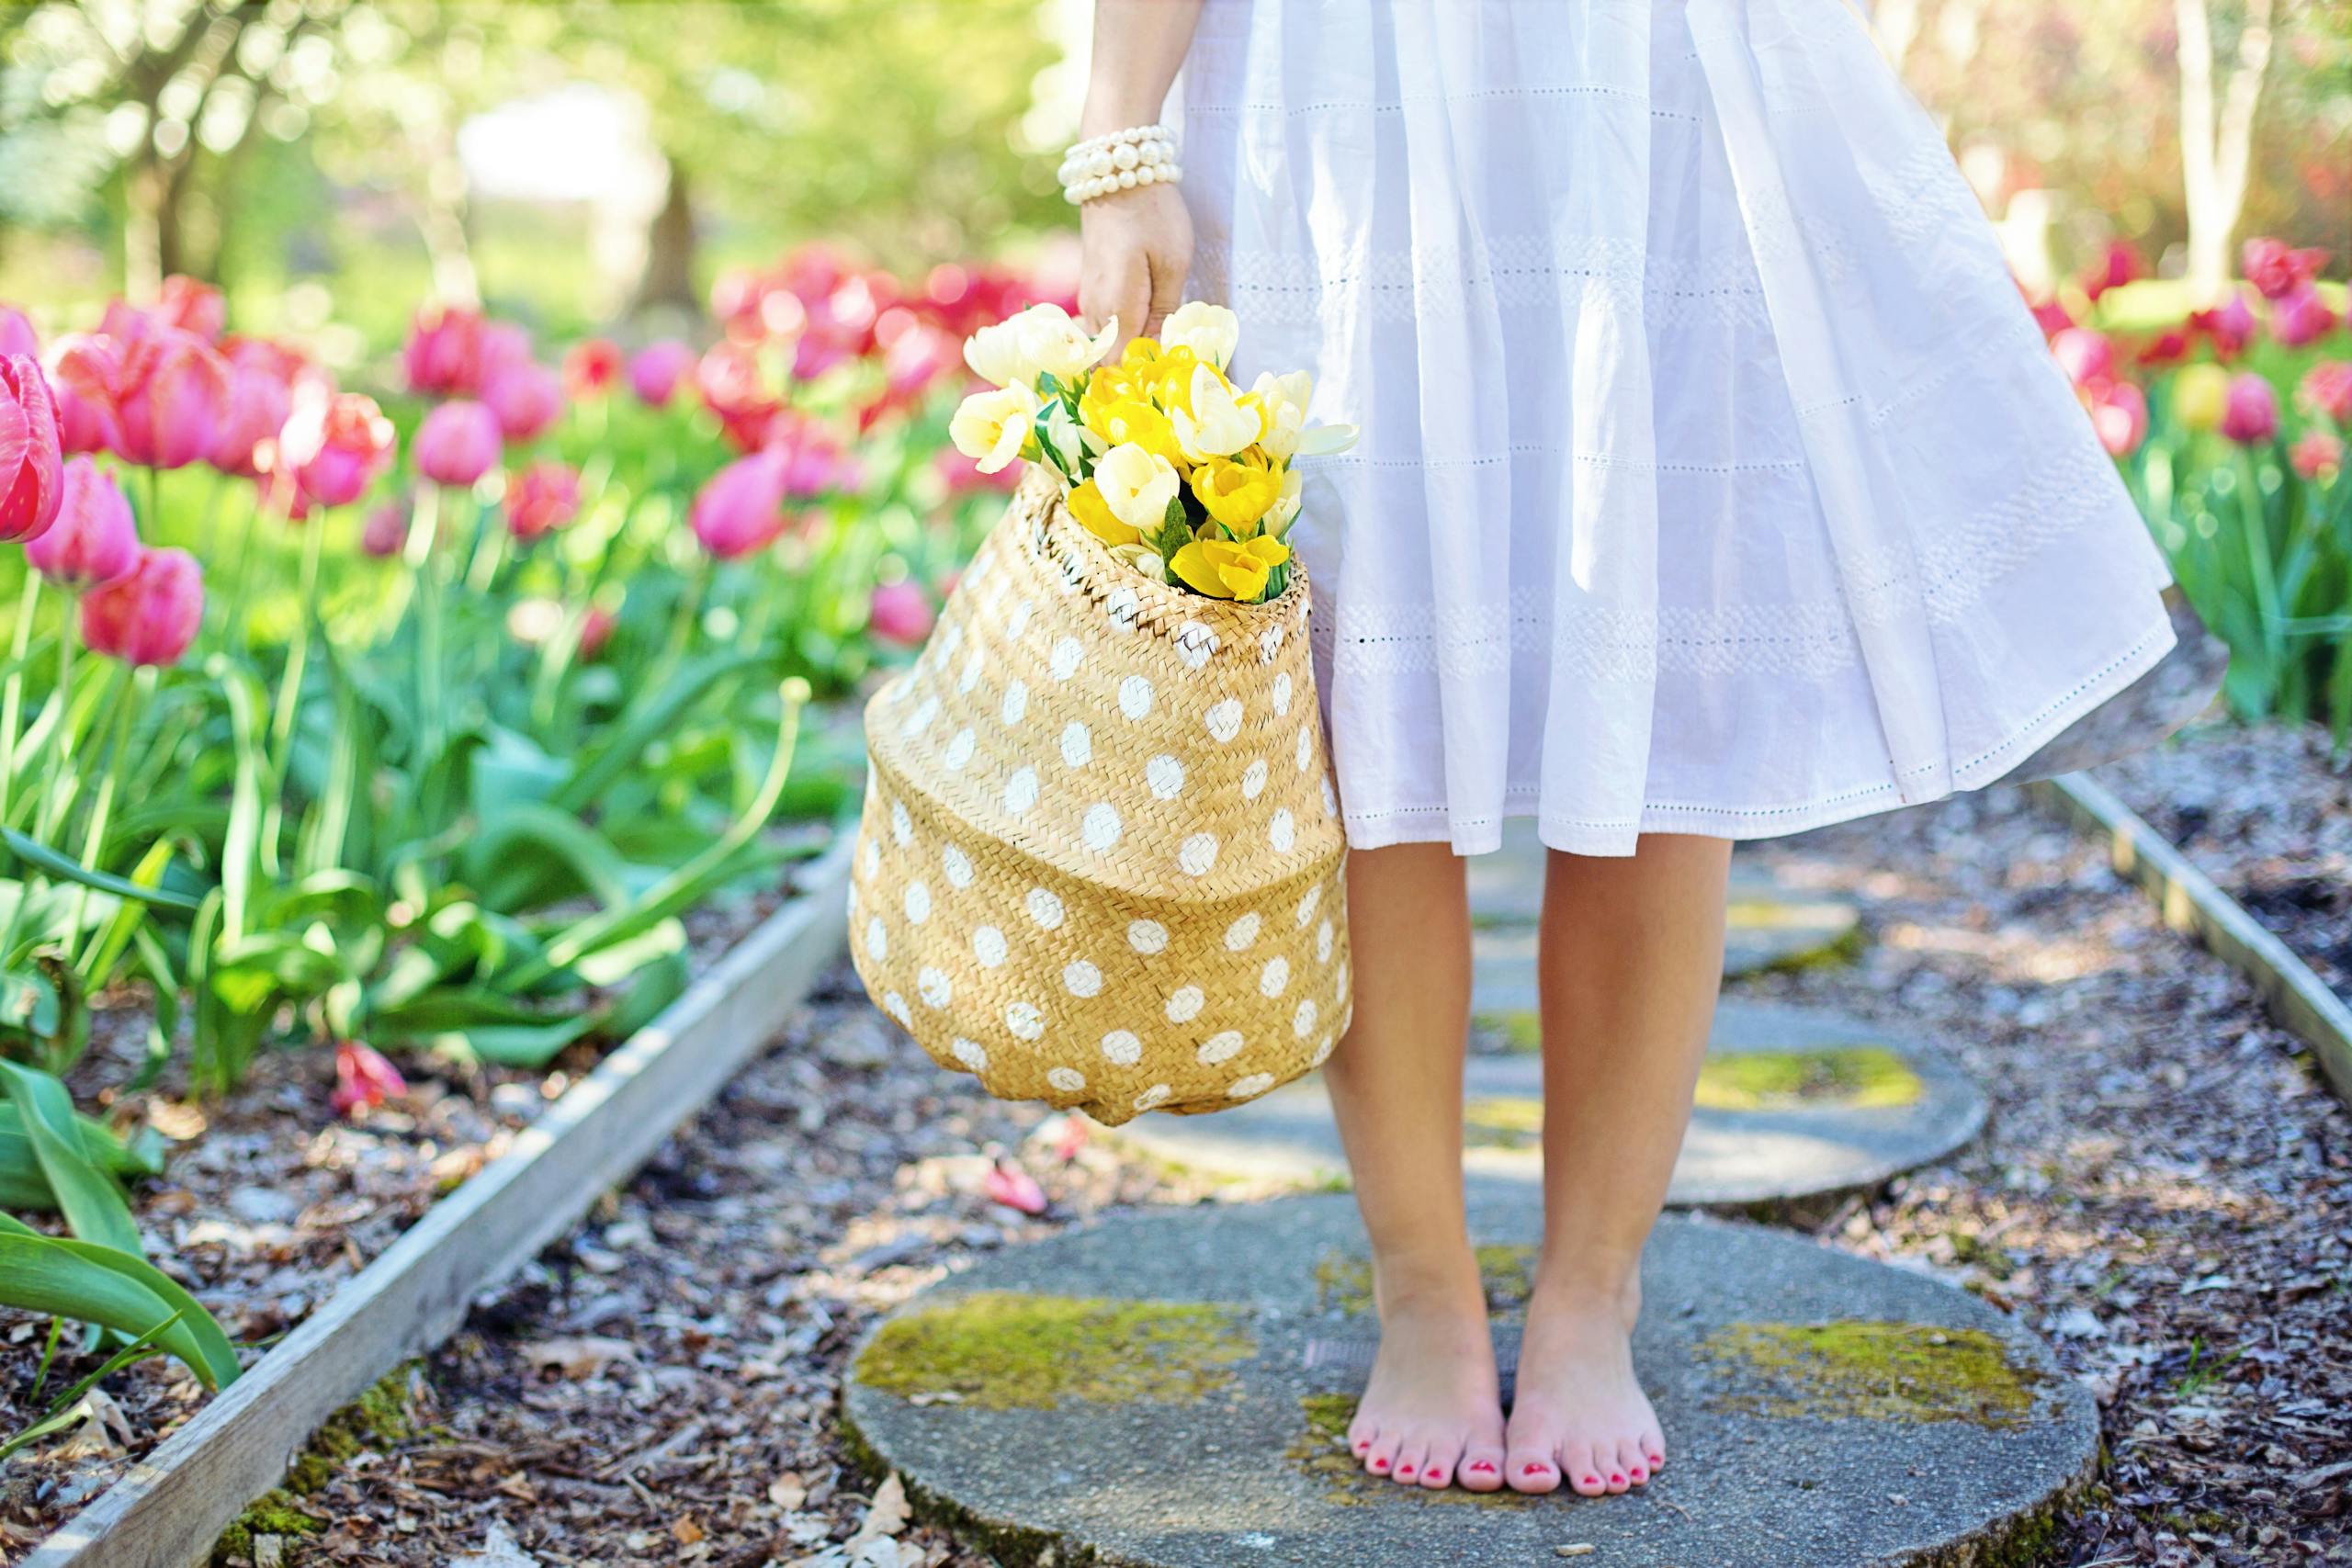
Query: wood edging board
[(2189, 902), (170, 1508)]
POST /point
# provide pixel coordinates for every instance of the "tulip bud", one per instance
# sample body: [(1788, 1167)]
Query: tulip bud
[(82, 368), (94, 538), (260, 396), (151, 613), (591, 367), (2327, 389), (458, 443), (2317, 456), (2199, 394), (2086, 356), (595, 630), (17, 335), (899, 613), (164, 391), (193, 306), (363, 1078), (386, 529), (2301, 317), (526, 398), (543, 497), (444, 351), (655, 373), (742, 507), (31, 467), (2250, 413), (2120, 417), (334, 443)]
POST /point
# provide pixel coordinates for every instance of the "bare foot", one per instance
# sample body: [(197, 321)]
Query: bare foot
[(1580, 1420), (1432, 1413)]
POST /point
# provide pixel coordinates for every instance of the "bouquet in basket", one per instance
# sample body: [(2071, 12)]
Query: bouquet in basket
[(1100, 860), (1185, 477)]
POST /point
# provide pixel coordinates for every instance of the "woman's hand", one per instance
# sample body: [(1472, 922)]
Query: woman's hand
[(1135, 249)]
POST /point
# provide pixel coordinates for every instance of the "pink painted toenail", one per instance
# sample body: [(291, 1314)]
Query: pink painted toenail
[(1615, 1479), (1592, 1481), (1536, 1469), (1482, 1468), (1404, 1469)]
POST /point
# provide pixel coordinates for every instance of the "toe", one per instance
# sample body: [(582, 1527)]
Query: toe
[(1379, 1458), (1438, 1470), (1481, 1469), (1412, 1459), (1362, 1431), (1630, 1462), (1527, 1468), (1585, 1472)]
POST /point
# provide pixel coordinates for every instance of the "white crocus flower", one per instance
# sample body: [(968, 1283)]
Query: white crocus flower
[(1217, 426), (1209, 331), (1285, 399), (1137, 485), (1285, 511), (1057, 346), (1065, 434), (994, 354), (990, 427)]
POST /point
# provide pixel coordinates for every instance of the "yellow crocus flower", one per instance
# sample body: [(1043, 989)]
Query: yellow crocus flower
[(1140, 353), (1134, 420), (1223, 569), (1094, 513), (1236, 494), (1172, 378)]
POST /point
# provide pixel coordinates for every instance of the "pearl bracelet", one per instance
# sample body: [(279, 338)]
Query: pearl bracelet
[(1124, 160)]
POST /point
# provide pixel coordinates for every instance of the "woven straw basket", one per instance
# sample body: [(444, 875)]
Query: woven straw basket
[(1099, 862)]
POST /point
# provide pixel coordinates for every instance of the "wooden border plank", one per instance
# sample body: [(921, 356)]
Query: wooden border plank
[(2191, 903), (172, 1505)]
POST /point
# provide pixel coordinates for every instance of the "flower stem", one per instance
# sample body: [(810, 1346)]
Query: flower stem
[(12, 704), (94, 839)]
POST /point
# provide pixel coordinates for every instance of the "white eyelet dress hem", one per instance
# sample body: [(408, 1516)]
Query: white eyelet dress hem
[(1714, 477)]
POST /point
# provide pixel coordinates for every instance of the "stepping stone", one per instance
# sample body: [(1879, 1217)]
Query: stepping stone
[(1770, 925), (1792, 1104), (1170, 1390)]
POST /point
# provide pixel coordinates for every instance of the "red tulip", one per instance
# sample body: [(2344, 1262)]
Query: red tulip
[(2167, 347), (150, 613), (899, 613), (444, 351), (2119, 263), (596, 630), (2051, 317), (458, 443), (363, 1079), (591, 367), (541, 498), (2086, 356), (335, 445), (2301, 317), (2230, 325), (164, 391), (17, 335), (193, 306), (2120, 414), (94, 538), (526, 397), (2317, 456), (2327, 390), (2276, 269), (85, 418), (261, 394), (733, 387), (2250, 414), (653, 375), (32, 477), (386, 529), (742, 507)]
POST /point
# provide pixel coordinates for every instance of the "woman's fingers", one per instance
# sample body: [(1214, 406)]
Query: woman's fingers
[(1167, 292)]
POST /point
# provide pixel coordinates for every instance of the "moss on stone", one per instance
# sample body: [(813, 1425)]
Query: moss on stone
[(1011, 1350), (380, 1418), (1871, 1371), (1502, 1121), (276, 1513), (1520, 1030), (1774, 1080), (1343, 1280), (1841, 933)]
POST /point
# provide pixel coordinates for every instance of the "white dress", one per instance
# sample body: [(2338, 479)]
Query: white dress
[(1713, 477)]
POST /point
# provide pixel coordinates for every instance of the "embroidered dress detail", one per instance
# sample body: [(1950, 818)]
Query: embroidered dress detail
[(1713, 477)]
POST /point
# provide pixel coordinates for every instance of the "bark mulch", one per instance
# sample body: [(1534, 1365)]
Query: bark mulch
[(2165, 1192)]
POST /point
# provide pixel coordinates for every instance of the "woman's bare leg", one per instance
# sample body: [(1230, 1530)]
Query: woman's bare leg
[(1631, 959), (1432, 1413)]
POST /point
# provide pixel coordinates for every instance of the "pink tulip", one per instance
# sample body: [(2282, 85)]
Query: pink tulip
[(2086, 356), (734, 388), (2119, 264), (2327, 390), (2250, 414), (151, 613), (335, 443), (2229, 325), (899, 613), (85, 419), (2167, 347), (386, 530), (526, 397), (458, 443), (17, 335), (363, 1079), (261, 394), (2301, 317), (596, 630), (193, 306), (32, 479), (542, 498), (655, 373), (742, 507), (93, 539), (2317, 456), (591, 367), (2051, 317), (2120, 414), (164, 391), (503, 346), (1014, 1187), (444, 351), (2276, 269)]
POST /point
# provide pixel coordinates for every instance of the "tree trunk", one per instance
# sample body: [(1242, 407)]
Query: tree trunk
[(669, 276), (441, 219), (2217, 139)]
